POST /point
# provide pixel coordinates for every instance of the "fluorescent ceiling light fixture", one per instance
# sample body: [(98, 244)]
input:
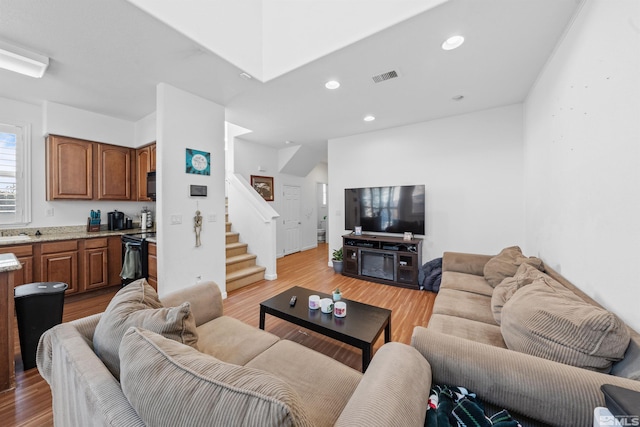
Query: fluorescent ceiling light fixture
[(22, 61), (453, 42), (369, 118), (332, 84)]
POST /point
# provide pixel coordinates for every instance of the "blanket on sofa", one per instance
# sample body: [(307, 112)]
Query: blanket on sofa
[(430, 275)]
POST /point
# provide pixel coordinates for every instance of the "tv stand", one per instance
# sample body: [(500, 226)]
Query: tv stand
[(383, 259)]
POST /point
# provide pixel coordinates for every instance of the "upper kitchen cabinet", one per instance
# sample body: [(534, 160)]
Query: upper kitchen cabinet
[(145, 163), (114, 172), (87, 170), (69, 168)]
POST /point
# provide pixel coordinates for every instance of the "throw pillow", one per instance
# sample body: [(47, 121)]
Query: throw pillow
[(548, 321), (168, 383), (506, 263), (525, 275), (137, 304)]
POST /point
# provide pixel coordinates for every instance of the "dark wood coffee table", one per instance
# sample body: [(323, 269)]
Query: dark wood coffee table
[(360, 328)]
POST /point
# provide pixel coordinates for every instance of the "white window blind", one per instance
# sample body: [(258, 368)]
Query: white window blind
[(14, 185)]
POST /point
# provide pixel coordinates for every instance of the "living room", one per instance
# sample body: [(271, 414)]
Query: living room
[(552, 172)]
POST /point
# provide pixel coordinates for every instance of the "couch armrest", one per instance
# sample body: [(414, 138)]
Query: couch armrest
[(205, 299), (541, 389), (393, 391), (465, 263)]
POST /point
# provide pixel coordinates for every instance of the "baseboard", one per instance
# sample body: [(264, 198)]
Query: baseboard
[(270, 276)]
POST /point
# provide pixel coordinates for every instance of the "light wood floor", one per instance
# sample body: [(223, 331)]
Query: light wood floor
[(30, 403)]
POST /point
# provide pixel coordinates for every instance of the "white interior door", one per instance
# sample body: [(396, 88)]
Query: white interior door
[(291, 219)]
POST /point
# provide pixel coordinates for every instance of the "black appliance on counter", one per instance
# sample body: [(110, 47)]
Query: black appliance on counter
[(116, 220), (135, 256)]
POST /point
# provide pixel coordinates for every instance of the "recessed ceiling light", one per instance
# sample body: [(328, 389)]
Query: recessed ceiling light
[(453, 42), (246, 76), (287, 142), (458, 98), (369, 118), (332, 84)]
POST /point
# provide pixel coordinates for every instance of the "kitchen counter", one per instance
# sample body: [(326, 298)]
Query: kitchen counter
[(9, 262), (53, 234)]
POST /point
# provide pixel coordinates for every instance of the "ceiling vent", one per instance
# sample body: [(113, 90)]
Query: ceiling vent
[(385, 76)]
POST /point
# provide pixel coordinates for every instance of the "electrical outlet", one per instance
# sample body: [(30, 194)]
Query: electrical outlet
[(48, 212), (176, 219), (213, 217)]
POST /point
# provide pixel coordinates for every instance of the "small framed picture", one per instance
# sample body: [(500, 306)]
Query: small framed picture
[(408, 235), (358, 230), (264, 186)]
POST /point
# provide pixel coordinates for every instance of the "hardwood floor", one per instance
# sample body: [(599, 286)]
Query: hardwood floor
[(30, 403)]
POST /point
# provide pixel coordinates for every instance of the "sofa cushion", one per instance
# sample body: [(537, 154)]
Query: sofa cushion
[(171, 384), (233, 341), (525, 275), (467, 305), (547, 321), (506, 263), (466, 282), (467, 329), (137, 304), (323, 384)]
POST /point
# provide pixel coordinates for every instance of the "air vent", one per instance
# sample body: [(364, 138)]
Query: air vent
[(385, 76)]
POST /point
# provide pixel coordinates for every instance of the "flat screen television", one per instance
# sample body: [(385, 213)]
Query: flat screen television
[(385, 209)]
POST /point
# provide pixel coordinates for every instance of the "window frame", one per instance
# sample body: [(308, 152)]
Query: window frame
[(22, 216)]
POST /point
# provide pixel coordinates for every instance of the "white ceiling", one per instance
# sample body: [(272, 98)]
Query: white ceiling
[(108, 57)]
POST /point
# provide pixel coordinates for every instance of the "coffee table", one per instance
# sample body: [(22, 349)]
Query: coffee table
[(360, 328)]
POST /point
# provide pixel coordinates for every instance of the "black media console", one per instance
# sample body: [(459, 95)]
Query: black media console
[(382, 259)]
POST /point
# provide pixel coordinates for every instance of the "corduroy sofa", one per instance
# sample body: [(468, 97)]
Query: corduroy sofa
[(466, 346), (226, 373)]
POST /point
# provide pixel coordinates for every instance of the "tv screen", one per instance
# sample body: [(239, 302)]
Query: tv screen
[(385, 209)]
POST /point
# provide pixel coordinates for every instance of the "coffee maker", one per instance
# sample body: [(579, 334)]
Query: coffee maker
[(115, 220)]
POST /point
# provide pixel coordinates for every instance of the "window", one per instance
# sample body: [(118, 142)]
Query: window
[(15, 191), (324, 194)]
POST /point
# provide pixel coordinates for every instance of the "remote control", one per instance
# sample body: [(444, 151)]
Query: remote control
[(293, 301)]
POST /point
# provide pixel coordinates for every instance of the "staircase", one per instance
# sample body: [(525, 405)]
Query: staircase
[(241, 266)]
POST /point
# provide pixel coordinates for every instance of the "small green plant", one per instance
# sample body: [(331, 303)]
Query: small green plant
[(337, 255), (337, 291)]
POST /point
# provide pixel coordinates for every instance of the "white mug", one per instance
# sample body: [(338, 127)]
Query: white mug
[(340, 309), (314, 302), (326, 305)]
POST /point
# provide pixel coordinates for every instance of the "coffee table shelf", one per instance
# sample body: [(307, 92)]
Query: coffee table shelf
[(360, 328)]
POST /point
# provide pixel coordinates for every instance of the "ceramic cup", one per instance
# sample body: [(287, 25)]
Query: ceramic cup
[(314, 302), (326, 305), (340, 309)]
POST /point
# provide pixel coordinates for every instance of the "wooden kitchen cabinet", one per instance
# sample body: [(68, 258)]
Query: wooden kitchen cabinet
[(153, 265), (115, 177), (95, 257), (85, 170), (114, 250), (59, 263), (24, 253), (69, 168), (145, 163)]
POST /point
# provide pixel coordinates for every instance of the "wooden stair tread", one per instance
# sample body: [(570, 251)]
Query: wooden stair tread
[(236, 245), (240, 258), (236, 275)]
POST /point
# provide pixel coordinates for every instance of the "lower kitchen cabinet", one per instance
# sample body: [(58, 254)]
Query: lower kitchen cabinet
[(24, 253), (153, 265), (59, 263), (95, 258)]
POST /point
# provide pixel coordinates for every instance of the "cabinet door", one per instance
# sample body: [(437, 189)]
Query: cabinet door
[(153, 266), (143, 164), (24, 253), (152, 155), (350, 259), (114, 172), (69, 168), (95, 268), (61, 267), (114, 260)]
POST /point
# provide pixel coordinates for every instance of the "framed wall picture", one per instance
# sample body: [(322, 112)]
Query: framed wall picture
[(198, 162), (264, 186)]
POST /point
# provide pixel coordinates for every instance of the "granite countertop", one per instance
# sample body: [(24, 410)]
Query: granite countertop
[(9, 262), (53, 234)]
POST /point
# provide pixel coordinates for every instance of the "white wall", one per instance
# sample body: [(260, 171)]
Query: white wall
[(250, 156), (582, 150), (472, 167), (69, 122), (186, 121)]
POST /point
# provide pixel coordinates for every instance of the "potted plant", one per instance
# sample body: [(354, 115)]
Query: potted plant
[(337, 295), (336, 258)]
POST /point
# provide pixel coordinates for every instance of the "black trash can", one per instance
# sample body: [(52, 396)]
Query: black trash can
[(38, 308)]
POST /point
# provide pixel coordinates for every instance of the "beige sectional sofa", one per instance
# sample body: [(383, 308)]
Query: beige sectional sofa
[(526, 363), (215, 370)]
